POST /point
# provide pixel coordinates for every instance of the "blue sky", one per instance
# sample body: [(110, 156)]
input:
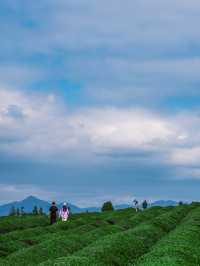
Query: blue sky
[(99, 100)]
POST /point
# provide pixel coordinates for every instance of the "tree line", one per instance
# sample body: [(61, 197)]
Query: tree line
[(107, 206), (20, 211)]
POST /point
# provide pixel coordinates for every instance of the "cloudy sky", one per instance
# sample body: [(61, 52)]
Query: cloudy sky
[(99, 100)]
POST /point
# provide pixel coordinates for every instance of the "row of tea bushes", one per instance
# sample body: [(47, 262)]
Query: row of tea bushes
[(180, 247), (125, 247)]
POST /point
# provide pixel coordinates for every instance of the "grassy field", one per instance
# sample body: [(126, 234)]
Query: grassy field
[(157, 236)]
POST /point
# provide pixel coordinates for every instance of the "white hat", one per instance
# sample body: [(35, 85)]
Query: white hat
[(65, 204)]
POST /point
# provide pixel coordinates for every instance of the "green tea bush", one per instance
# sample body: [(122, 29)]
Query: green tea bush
[(18, 239), (140, 217), (125, 247), (71, 261), (148, 215), (107, 206), (59, 246), (11, 223), (180, 247), (119, 237)]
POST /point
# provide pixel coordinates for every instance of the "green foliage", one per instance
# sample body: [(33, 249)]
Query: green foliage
[(59, 245), (11, 223), (107, 206), (178, 247), (125, 247), (71, 261), (119, 238), (148, 215)]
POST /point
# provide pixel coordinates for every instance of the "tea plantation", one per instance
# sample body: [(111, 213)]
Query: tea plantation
[(157, 236)]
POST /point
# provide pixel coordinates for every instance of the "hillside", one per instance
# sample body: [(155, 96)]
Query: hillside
[(156, 236)]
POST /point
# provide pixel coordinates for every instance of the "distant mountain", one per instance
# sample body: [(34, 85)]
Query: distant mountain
[(164, 203), (29, 203)]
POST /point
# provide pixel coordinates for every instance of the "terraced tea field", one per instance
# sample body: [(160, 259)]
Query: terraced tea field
[(157, 236)]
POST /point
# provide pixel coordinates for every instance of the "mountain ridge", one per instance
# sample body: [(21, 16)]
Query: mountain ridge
[(28, 204)]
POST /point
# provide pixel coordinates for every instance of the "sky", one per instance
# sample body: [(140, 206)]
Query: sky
[(99, 100)]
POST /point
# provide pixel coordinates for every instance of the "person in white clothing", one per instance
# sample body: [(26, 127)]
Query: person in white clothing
[(136, 205), (64, 212)]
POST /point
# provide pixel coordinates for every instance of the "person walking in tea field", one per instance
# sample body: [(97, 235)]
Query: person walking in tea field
[(144, 205), (53, 213), (136, 205), (64, 212)]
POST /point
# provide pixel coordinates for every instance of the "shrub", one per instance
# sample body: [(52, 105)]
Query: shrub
[(177, 248), (71, 261), (125, 247), (18, 239), (11, 223), (59, 245), (110, 238), (107, 206)]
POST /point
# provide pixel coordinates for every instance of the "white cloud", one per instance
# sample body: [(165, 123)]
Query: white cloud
[(40, 127), (123, 128), (49, 129), (46, 128), (186, 156)]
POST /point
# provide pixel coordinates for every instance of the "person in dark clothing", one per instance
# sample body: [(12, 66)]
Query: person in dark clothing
[(144, 204), (53, 213)]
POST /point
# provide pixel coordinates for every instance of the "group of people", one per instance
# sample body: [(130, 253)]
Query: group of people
[(63, 213), (137, 207)]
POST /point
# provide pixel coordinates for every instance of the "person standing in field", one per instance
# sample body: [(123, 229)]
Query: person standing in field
[(53, 213), (144, 205), (64, 212), (136, 205)]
